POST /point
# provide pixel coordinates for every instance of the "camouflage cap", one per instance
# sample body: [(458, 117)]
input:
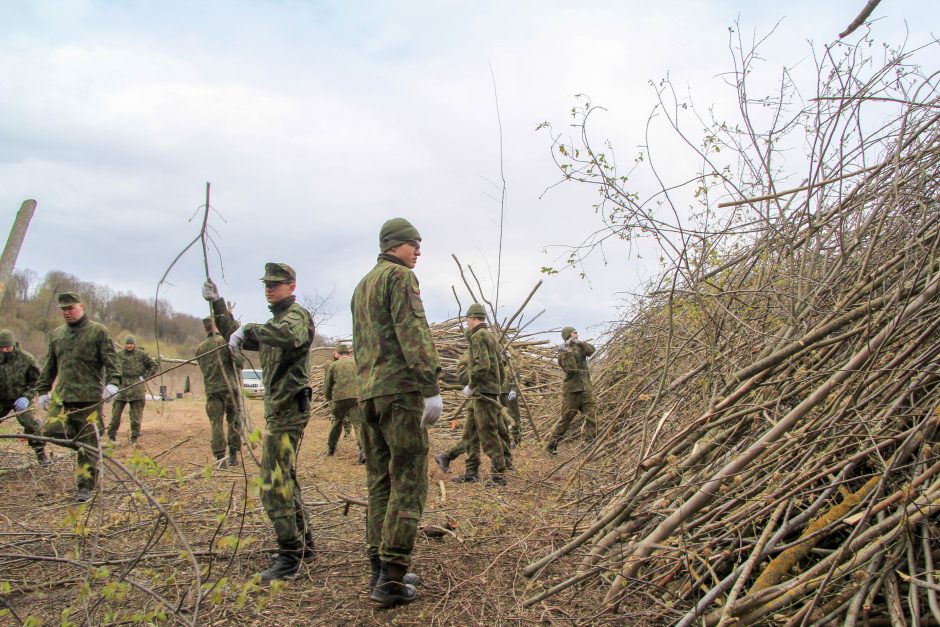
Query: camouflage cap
[(278, 273), (130, 339), (343, 349), (395, 232), (67, 299), (566, 333), (476, 311), (6, 338)]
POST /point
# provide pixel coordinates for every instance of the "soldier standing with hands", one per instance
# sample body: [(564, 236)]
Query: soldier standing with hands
[(578, 394), (341, 388), (399, 399), (19, 373), (220, 377), (135, 365)]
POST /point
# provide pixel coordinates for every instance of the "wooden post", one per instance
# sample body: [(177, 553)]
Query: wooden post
[(14, 242)]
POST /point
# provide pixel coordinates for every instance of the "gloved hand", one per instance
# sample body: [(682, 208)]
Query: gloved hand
[(512, 395), (140, 378), (209, 291), (433, 408), (21, 403), (44, 401), (236, 340), (571, 341), (468, 391), (109, 391)]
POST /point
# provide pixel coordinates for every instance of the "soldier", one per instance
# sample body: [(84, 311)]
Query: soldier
[(578, 392), (135, 365), (509, 399), (82, 363), (220, 377), (483, 390), (284, 343), (341, 387), (399, 399), (19, 373)]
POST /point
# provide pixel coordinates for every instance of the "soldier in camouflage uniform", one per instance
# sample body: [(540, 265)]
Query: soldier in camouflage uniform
[(82, 363), (19, 373), (509, 399), (220, 378), (341, 388), (399, 399), (284, 344), (578, 392), (485, 368), (135, 365)]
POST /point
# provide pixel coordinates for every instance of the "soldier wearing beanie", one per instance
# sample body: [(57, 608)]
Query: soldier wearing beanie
[(577, 391), (135, 365), (399, 398), (341, 388), (19, 373), (284, 345), (82, 364), (220, 378)]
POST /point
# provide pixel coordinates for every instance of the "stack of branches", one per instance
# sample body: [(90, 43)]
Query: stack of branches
[(778, 398)]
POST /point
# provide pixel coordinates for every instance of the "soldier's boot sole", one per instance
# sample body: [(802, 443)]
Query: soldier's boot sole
[(443, 462)]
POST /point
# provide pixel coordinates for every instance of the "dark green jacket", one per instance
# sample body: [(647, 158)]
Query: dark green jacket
[(486, 368), (219, 370), (81, 360), (284, 346), (19, 373), (133, 365), (391, 338), (342, 380), (573, 360)]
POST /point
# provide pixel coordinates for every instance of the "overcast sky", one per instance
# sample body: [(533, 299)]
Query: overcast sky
[(317, 121)]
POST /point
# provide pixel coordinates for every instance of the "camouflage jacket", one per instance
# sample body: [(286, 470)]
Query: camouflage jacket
[(19, 373), (133, 365), (284, 345), (342, 380), (508, 383), (486, 367), (219, 369), (81, 360), (391, 338), (573, 360)]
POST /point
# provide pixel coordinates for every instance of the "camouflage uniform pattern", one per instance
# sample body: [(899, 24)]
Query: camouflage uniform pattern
[(133, 366), (512, 406), (578, 393), (485, 368), (219, 376), (341, 387), (284, 346), (19, 373), (80, 360), (398, 367)]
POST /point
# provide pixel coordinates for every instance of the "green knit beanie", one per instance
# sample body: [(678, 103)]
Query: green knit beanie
[(395, 232), (6, 338), (130, 339), (476, 311), (566, 333)]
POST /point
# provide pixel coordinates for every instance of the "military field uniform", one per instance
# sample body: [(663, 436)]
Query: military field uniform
[(19, 373), (485, 368), (220, 379), (512, 406), (134, 366), (398, 368), (341, 387), (284, 345), (578, 394), (80, 361)]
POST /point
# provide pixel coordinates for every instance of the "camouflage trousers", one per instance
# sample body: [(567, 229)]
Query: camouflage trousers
[(117, 410), (512, 406), (26, 419), (221, 405), (78, 422), (396, 449), (491, 429), (343, 414), (470, 443), (574, 403), (280, 492)]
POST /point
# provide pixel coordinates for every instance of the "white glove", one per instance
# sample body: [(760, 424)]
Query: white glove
[(140, 378), (512, 395), (21, 403), (236, 340), (468, 391), (209, 291), (44, 401), (433, 408), (109, 391)]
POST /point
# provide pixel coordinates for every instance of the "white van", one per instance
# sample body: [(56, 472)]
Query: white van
[(252, 383)]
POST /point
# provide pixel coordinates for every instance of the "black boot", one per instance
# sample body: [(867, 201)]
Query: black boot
[(285, 565), (362, 457), (220, 461), (390, 589), (469, 477), (376, 562), (233, 460), (41, 456), (495, 480), (443, 461), (310, 548), (550, 449), (331, 451)]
